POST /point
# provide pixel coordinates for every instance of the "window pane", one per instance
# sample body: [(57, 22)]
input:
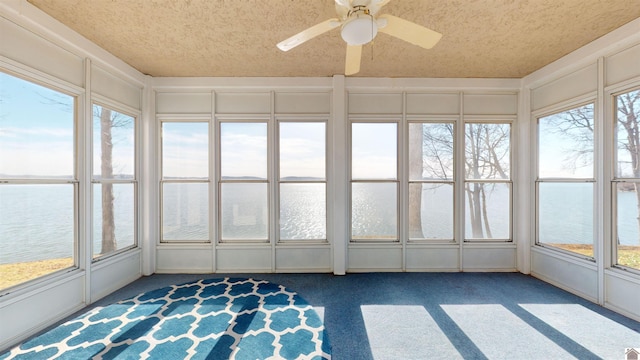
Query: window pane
[(487, 151), (628, 136), (244, 211), (185, 212), (565, 216), (487, 210), (430, 211), (114, 219), (303, 213), (243, 149), (185, 150), (302, 151), (566, 144), (36, 231), (374, 211), (36, 132), (430, 151), (628, 241), (628, 166), (113, 144), (374, 151)]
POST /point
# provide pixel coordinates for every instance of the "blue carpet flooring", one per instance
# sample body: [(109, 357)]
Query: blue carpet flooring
[(444, 315), (235, 318)]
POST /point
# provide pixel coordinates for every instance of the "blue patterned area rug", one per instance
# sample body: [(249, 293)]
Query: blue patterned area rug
[(228, 318)]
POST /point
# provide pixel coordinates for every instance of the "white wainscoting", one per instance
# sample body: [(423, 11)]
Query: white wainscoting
[(622, 293), (184, 258), (432, 257), (111, 274), (41, 306), (567, 272)]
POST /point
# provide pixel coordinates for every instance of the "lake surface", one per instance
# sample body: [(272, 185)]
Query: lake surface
[(36, 221)]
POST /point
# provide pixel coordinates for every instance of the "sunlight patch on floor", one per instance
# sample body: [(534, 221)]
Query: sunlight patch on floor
[(405, 329), (501, 334), (586, 327)]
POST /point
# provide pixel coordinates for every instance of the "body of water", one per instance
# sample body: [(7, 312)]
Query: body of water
[(36, 221)]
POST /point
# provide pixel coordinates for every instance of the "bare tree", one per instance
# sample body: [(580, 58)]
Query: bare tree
[(109, 242), (415, 192), (628, 120), (487, 153), (108, 120), (578, 126)]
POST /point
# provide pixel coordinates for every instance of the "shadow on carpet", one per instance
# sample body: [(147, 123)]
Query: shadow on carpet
[(230, 318)]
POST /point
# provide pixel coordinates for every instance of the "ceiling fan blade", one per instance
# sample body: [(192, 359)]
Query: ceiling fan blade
[(352, 63), (409, 32), (308, 34)]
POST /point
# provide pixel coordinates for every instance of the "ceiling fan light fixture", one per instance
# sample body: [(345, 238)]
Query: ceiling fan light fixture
[(359, 29)]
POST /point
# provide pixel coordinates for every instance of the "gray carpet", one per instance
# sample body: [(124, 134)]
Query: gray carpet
[(445, 315)]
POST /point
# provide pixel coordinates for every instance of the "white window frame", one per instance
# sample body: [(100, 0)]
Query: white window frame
[(77, 93), (535, 117), (397, 120), (278, 181), (268, 120), (136, 115), (453, 181), (615, 180), (185, 119), (497, 120)]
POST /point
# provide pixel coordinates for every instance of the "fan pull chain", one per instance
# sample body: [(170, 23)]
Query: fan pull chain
[(372, 39)]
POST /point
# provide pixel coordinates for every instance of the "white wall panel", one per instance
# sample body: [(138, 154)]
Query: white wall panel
[(243, 103), (374, 103), (303, 259), (375, 259), (303, 103), (243, 259), (578, 83), (183, 103), (115, 88), (622, 66), (490, 104), (40, 308), (433, 104), (489, 258), (565, 273), (29, 49), (433, 258), (111, 274), (193, 259), (622, 293)]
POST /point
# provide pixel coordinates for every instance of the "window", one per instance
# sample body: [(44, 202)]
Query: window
[(626, 183), (244, 185), (565, 181), (38, 183), (431, 181), (487, 181), (185, 181), (113, 181), (303, 183), (374, 185)]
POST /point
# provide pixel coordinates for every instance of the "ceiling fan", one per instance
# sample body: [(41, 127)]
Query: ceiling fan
[(360, 25)]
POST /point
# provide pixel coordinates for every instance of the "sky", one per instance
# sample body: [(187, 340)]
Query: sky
[(38, 145), (43, 146)]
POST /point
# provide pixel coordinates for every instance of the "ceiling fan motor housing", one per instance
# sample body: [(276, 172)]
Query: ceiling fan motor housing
[(360, 27)]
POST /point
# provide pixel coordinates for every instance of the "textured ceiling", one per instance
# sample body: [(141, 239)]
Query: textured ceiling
[(481, 38)]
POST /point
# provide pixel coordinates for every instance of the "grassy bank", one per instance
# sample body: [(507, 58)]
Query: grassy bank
[(627, 255), (13, 274)]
